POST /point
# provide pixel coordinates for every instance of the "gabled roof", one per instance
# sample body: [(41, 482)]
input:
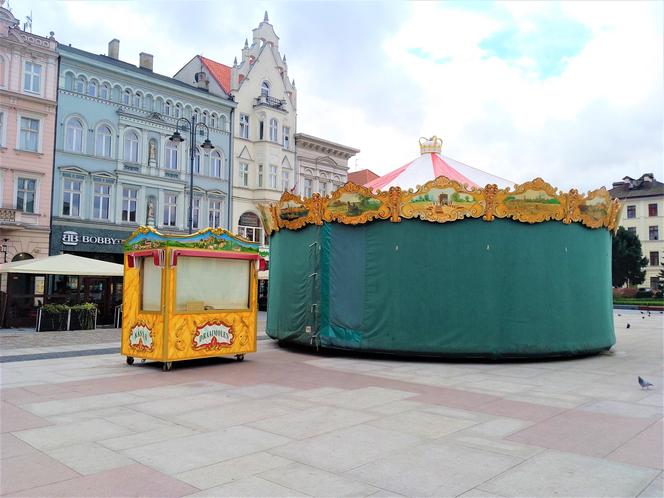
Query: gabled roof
[(220, 72), (362, 177)]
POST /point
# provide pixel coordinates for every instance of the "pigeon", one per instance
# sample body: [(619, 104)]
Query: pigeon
[(643, 318), (644, 383), (628, 325), (619, 314)]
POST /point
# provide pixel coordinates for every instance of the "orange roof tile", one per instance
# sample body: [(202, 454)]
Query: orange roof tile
[(220, 72), (362, 176)]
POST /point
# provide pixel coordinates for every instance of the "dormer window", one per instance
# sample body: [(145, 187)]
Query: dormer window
[(265, 89)]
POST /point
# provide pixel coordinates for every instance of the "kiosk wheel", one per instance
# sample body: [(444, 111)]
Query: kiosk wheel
[(167, 366), (239, 357), (130, 360)]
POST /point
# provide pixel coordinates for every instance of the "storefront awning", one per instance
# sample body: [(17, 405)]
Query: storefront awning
[(64, 264)]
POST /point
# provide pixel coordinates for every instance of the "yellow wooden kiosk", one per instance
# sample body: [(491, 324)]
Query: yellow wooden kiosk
[(189, 296)]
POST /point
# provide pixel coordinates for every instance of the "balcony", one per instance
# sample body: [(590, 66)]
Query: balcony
[(268, 101), (7, 215)]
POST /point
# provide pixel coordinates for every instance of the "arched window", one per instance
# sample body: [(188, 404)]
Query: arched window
[(213, 120), (2, 71), (178, 110), (103, 141), (249, 227), (197, 113), (69, 81), (273, 130), (105, 91), (138, 100), (93, 88), (131, 144), (74, 135), (171, 155), (265, 89), (205, 117), (126, 97), (222, 123), (80, 84), (215, 164), (168, 108), (149, 102)]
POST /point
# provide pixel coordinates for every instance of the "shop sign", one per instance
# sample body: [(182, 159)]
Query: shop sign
[(71, 238), (140, 337), (212, 335)]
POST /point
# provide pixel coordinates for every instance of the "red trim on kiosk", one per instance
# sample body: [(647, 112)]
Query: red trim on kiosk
[(210, 254), (157, 256)]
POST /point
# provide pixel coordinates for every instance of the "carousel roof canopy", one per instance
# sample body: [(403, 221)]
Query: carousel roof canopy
[(64, 264), (430, 165)]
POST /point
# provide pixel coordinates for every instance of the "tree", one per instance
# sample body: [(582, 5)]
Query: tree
[(627, 263)]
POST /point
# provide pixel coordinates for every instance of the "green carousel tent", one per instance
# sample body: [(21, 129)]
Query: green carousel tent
[(444, 270)]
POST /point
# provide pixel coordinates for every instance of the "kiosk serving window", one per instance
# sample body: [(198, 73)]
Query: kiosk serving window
[(211, 284), (150, 285)]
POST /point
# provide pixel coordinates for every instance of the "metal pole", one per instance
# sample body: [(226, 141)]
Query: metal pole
[(192, 144)]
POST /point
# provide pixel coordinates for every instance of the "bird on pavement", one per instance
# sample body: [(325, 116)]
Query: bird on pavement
[(628, 325), (644, 383)]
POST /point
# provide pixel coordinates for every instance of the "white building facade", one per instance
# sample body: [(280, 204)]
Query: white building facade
[(265, 122), (643, 214)]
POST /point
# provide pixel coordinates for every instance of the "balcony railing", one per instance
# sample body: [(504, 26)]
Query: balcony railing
[(270, 102), (7, 215)]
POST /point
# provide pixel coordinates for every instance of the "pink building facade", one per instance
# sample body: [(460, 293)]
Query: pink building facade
[(28, 80)]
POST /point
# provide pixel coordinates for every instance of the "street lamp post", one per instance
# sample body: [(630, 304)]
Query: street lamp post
[(176, 138)]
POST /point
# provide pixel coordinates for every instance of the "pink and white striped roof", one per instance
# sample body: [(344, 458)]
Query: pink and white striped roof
[(431, 165)]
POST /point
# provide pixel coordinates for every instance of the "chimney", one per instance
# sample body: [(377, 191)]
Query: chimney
[(114, 49), (145, 61), (202, 81)]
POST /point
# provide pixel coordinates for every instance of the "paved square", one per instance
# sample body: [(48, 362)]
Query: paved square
[(288, 423)]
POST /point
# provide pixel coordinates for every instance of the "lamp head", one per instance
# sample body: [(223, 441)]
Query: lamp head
[(176, 137)]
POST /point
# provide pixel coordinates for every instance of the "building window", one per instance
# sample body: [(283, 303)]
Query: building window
[(261, 127), (137, 102), (168, 108), (244, 126), (195, 212), (654, 283), (29, 137), (79, 87), (32, 77), (286, 134), (105, 91), (285, 180), (654, 258), (653, 232), (92, 88), (170, 209), (101, 201), (205, 118), (126, 97), (171, 155), (103, 141), (131, 147), (215, 213), (71, 197), (26, 188), (74, 135), (244, 174), (213, 120), (265, 89), (260, 176), (273, 130), (273, 177), (2, 129), (222, 123), (215, 164), (129, 203), (308, 187), (652, 209), (322, 188), (249, 227), (197, 162), (631, 211), (178, 110), (632, 230)]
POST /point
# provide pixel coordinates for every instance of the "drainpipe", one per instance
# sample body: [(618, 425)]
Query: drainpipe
[(230, 171), (55, 141)]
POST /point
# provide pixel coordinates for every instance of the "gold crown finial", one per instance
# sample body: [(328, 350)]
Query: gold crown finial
[(432, 145)]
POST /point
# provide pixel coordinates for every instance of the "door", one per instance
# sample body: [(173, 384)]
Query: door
[(97, 290)]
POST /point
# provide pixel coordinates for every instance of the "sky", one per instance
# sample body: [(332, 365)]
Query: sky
[(571, 92)]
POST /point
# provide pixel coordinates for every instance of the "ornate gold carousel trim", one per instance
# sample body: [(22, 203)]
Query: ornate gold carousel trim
[(441, 201)]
